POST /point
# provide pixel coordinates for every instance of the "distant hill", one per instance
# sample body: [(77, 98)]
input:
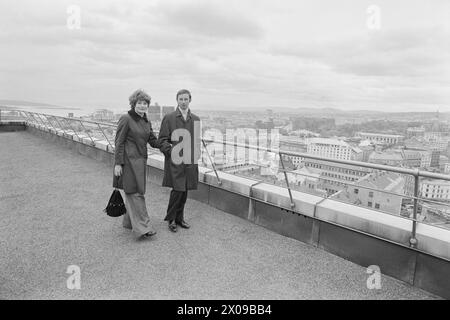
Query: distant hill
[(21, 103)]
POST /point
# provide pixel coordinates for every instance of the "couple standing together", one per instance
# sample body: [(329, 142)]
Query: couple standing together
[(134, 131)]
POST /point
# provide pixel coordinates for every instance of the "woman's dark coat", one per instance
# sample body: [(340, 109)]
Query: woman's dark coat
[(184, 176), (133, 134)]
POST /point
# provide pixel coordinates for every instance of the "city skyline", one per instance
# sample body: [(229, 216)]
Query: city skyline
[(18, 104), (298, 55)]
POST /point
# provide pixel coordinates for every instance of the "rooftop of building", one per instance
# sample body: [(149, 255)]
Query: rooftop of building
[(381, 134), (52, 218), (365, 143), (436, 182), (388, 156), (336, 165), (328, 141), (387, 181), (303, 174)]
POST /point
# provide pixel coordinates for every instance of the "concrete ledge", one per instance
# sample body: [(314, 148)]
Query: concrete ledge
[(433, 275), (228, 201), (229, 182), (278, 196), (433, 240), (102, 145), (90, 141), (79, 137), (297, 226), (393, 260), (156, 160), (267, 216), (11, 126), (383, 225), (155, 175), (285, 222), (201, 194)]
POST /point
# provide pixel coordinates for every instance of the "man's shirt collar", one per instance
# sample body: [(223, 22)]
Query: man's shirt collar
[(187, 113)]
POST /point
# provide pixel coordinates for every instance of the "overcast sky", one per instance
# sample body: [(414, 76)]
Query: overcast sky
[(241, 53)]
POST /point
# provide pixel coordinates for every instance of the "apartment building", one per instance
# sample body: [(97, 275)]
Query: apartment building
[(103, 115), (294, 144), (415, 132), (435, 189), (390, 158), (380, 138), (333, 149), (377, 190), (335, 176)]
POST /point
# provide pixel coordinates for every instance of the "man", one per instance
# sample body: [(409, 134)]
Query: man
[(179, 138)]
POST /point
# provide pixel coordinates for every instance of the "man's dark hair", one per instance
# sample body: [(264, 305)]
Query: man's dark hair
[(183, 91)]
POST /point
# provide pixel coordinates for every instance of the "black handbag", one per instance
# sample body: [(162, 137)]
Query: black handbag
[(116, 206)]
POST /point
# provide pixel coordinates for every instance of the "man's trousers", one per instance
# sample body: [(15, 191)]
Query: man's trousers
[(175, 210)]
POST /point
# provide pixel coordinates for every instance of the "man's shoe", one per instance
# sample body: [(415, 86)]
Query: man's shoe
[(184, 224), (173, 226)]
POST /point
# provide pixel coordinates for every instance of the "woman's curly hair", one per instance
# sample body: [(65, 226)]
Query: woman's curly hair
[(139, 95)]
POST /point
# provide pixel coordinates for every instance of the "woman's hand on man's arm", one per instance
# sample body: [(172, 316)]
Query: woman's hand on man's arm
[(117, 170)]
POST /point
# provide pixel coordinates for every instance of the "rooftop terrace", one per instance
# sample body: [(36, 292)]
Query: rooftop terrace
[(55, 185), (51, 217)]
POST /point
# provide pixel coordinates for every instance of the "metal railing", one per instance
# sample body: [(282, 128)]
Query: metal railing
[(416, 173), (81, 128), (238, 172), (95, 130), (11, 115)]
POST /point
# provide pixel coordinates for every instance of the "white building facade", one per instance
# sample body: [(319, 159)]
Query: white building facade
[(435, 189), (379, 138), (333, 149)]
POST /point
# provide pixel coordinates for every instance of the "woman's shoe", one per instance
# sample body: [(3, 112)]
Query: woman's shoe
[(149, 234)]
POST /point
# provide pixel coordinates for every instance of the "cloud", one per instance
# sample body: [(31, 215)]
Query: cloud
[(212, 19), (227, 53), (411, 52)]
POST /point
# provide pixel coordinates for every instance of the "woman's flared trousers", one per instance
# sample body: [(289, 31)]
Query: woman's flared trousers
[(136, 217)]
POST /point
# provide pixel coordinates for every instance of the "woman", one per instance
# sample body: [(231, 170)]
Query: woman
[(134, 131)]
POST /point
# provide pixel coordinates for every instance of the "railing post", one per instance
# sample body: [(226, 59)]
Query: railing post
[(287, 181), (64, 131), (32, 117), (212, 163), (21, 113), (93, 142), (27, 116), (48, 118), (40, 119), (47, 121), (112, 148), (413, 240), (71, 128)]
